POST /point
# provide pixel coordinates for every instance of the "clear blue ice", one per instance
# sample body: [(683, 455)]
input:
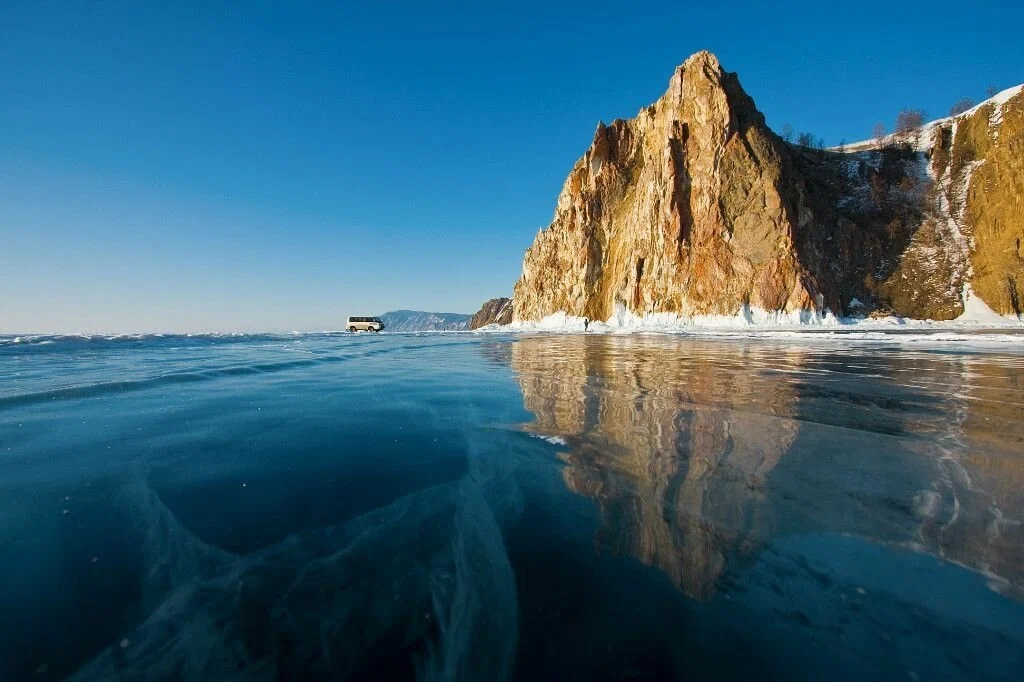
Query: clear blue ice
[(509, 507)]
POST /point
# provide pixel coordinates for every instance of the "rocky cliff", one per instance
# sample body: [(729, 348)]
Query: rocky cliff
[(494, 311), (696, 207), (979, 160)]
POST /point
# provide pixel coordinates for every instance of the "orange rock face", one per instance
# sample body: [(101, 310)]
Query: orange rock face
[(680, 209), (696, 207)]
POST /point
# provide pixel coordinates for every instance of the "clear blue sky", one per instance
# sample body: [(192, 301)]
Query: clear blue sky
[(196, 166)]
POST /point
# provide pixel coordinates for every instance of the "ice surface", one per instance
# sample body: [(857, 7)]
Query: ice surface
[(440, 573), (512, 506)]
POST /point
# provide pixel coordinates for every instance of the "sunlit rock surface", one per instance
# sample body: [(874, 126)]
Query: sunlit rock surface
[(696, 207)]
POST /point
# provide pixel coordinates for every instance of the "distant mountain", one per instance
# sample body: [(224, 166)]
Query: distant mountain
[(420, 321)]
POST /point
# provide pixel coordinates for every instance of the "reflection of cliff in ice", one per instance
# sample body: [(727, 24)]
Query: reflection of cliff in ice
[(675, 452), (973, 512), (419, 589), (698, 451)]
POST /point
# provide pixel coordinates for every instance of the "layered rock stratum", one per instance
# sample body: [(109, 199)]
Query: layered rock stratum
[(695, 207)]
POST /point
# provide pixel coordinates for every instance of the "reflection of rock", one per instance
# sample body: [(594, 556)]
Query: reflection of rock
[(681, 443), (981, 482), (678, 478)]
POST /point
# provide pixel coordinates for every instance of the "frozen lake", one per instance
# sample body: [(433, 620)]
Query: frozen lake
[(520, 507)]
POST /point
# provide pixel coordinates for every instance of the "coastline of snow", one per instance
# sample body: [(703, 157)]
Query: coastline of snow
[(978, 324)]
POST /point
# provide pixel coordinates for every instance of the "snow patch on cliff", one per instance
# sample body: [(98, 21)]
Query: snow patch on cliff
[(977, 311)]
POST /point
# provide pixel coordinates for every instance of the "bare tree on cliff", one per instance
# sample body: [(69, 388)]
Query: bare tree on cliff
[(878, 132), (805, 140), (908, 122), (992, 90), (787, 133), (961, 106)]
